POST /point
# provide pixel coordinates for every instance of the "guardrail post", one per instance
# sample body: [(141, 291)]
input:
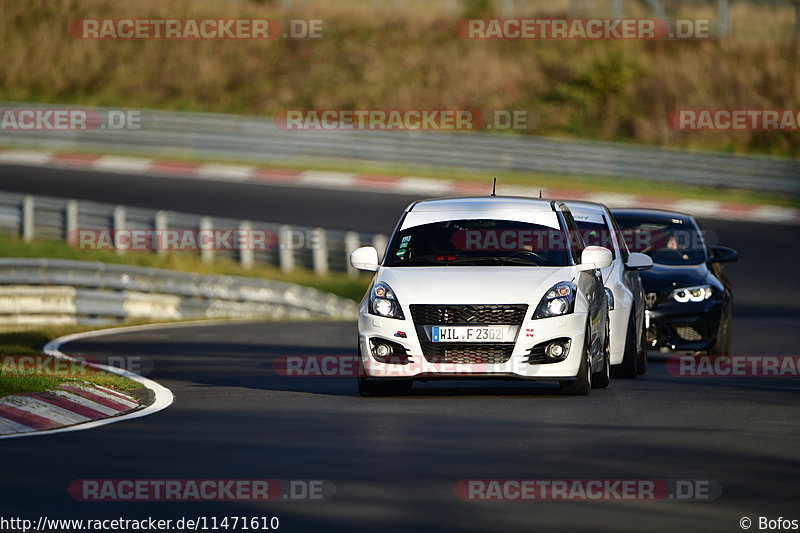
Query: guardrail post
[(507, 8), (160, 224), (351, 242), (616, 9), (723, 18), (70, 220), (119, 225), (797, 20), (246, 247), (285, 252), (206, 252), (319, 251), (26, 231), (380, 242)]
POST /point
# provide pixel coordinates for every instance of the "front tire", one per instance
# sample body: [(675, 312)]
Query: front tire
[(377, 387), (582, 384), (601, 380)]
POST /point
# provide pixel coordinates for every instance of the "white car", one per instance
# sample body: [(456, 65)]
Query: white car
[(491, 287), (626, 300)]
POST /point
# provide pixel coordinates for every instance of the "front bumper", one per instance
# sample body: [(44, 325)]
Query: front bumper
[(530, 333), (690, 326)]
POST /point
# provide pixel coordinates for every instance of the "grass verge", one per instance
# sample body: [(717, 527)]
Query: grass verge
[(24, 370)]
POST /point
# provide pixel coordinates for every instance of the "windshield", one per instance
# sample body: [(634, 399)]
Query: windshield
[(479, 242), (668, 241)]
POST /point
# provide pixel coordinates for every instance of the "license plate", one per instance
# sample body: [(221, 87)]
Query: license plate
[(469, 333)]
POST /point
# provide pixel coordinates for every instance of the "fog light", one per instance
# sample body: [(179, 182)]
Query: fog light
[(555, 350), (383, 350)]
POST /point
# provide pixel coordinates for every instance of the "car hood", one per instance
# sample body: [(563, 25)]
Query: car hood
[(664, 278), (473, 285)]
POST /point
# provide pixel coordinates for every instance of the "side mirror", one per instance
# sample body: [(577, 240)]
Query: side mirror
[(637, 261), (595, 257), (723, 254), (365, 258)]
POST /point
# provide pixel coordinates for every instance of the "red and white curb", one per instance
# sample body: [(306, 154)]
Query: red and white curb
[(76, 407), (69, 404), (383, 184)]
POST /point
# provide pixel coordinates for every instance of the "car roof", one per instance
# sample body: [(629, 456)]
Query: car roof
[(657, 214), (482, 203)]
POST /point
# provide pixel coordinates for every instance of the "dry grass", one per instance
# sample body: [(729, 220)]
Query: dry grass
[(611, 90)]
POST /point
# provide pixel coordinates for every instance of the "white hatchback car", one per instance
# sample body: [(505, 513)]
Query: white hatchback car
[(626, 300), (491, 287)]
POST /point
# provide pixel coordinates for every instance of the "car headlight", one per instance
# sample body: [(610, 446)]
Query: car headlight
[(383, 302), (559, 300), (692, 294)]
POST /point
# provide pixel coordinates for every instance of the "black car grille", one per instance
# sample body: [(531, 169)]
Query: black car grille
[(687, 332), (467, 352), (468, 314)]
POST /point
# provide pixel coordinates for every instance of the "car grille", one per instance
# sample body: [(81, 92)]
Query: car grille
[(688, 333), (468, 314), (467, 352)]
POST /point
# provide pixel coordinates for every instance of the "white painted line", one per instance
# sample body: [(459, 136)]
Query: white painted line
[(612, 199), (123, 165), (413, 184), (80, 400), (37, 407), (769, 213), (225, 172), (326, 179), (19, 157)]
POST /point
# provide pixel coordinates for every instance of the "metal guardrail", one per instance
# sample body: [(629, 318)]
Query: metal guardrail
[(54, 218), (233, 137), (48, 291)]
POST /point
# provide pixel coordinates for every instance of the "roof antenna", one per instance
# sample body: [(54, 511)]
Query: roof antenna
[(494, 187), (540, 194)]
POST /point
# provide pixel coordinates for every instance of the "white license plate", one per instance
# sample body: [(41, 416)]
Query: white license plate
[(470, 333)]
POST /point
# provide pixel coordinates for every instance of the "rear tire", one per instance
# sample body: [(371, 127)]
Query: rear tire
[(601, 380), (629, 367), (582, 384)]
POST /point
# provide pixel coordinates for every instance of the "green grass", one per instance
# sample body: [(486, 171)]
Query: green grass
[(17, 377)]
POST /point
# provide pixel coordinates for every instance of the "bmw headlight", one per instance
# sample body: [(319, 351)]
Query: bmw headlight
[(692, 294), (559, 300), (383, 302)]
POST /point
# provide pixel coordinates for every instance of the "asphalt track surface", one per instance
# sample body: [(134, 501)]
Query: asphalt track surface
[(395, 461)]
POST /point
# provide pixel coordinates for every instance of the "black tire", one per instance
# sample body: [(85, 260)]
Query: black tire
[(723, 344), (641, 367), (582, 384), (378, 387), (602, 379), (629, 367)]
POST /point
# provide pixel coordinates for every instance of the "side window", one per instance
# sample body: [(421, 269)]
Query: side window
[(576, 240)]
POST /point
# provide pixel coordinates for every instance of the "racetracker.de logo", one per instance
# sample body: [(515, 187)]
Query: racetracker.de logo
[(163, 490), (565, 28), (734, 366), (734, 119), (587, 489), (195, 29), (43, 119)]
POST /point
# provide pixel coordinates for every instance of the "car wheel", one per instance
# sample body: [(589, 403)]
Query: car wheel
[(377, 387), (723, 344), (641, 365), (601, 380), (629, 367), (582, 384)]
